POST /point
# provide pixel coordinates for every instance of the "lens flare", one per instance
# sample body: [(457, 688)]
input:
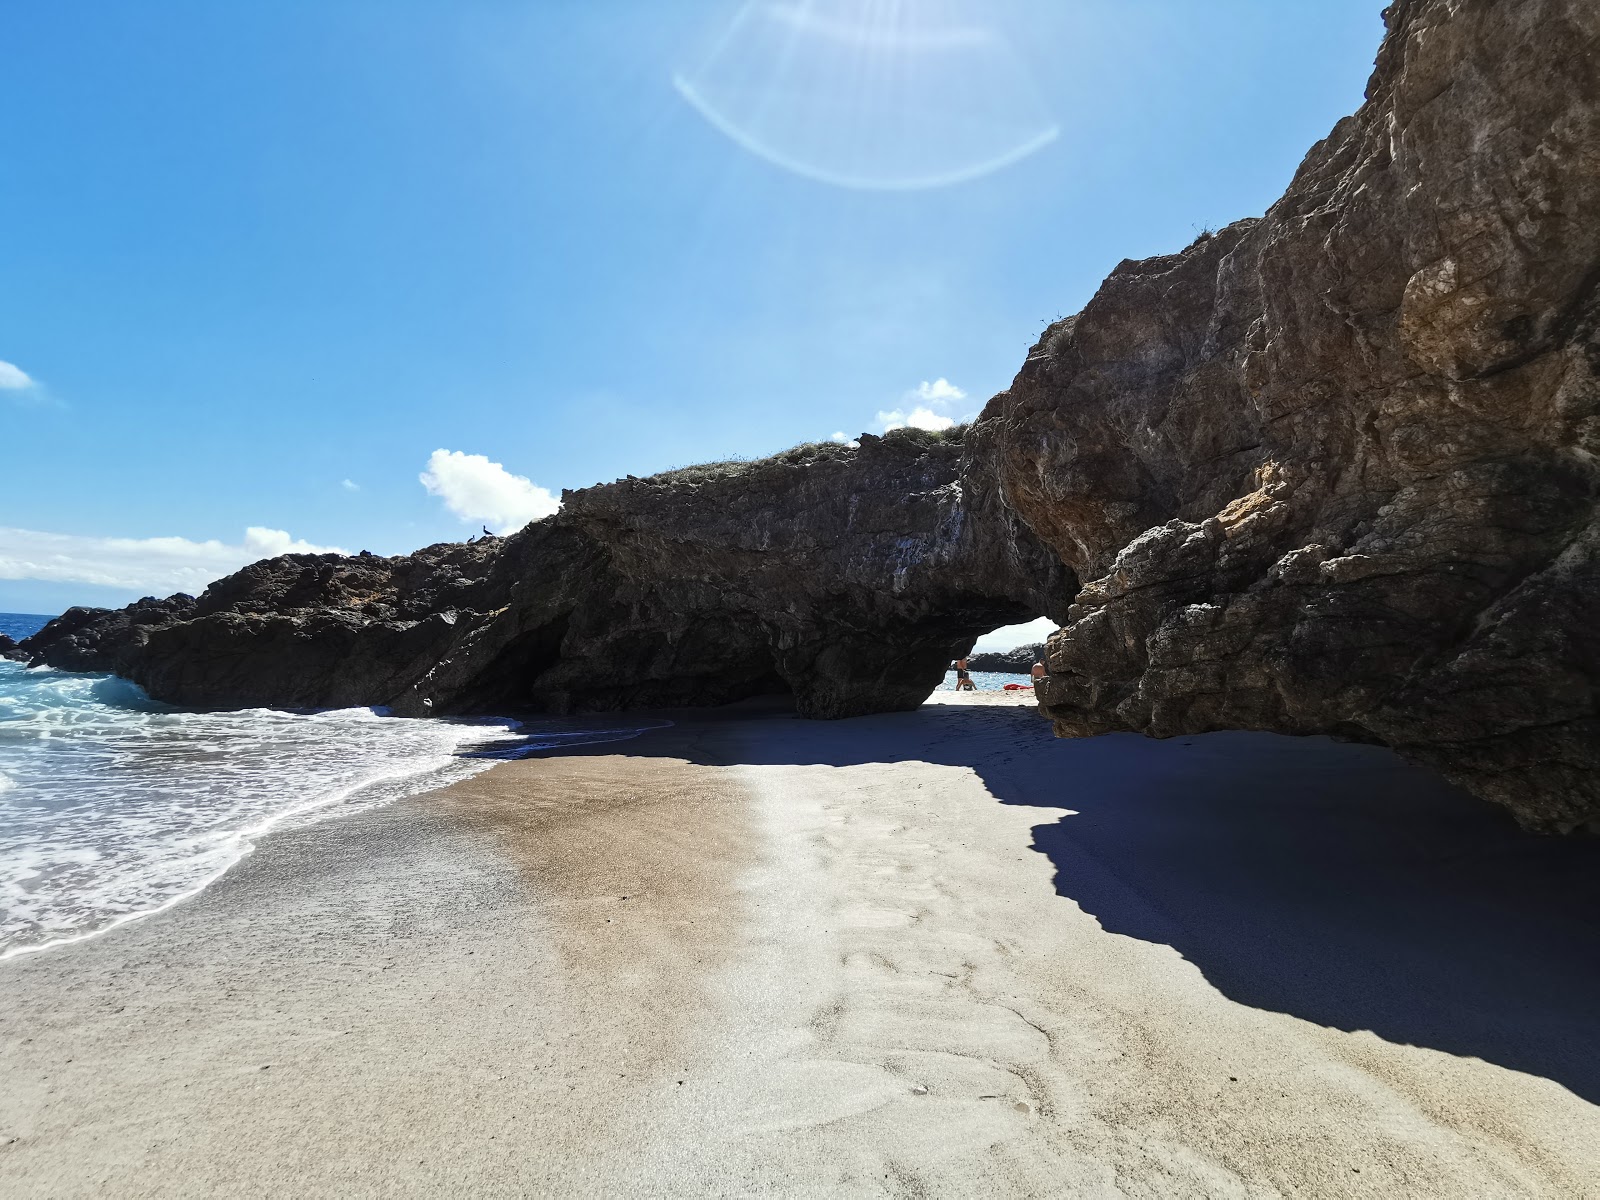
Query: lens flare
[(879, 94)]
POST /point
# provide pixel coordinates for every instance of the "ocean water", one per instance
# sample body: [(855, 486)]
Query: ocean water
[(113, 806), (987, 681), (21, 625)]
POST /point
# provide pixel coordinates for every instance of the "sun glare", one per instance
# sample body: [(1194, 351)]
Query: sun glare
[(881, 94)]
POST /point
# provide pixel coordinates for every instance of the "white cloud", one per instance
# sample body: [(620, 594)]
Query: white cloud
[(13, 378), (476, 489), (926, 406), (917, 418), (941, 392), (159, 565), (350, 485)]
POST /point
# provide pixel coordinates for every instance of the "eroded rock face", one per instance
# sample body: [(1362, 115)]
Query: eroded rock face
[(1334, 470), (848, 577)]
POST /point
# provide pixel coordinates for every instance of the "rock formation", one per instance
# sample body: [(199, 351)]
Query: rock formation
[(1329, 471), (1018, 661), (1334, 470), (847, 577)]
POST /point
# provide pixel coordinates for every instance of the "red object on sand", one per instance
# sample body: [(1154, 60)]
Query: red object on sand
[(1019, 687)]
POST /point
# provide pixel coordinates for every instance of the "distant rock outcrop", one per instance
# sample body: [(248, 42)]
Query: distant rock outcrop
[(1330, 471), (1018, 661), (1335, 470)]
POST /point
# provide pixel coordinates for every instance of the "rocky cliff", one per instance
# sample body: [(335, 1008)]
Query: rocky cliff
[(1334, 470), (1329, 471), (846, 577)]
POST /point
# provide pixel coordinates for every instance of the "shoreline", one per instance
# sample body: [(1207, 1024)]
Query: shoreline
[(250, 837), (375, 790), (920, 953)]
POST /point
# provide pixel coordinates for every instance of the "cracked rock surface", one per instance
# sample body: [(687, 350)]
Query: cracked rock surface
[(1334, 470)]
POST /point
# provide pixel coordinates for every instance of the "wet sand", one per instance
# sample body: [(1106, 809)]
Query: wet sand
[(926, 954)]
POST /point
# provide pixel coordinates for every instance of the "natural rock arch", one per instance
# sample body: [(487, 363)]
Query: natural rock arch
[(1335, 470)]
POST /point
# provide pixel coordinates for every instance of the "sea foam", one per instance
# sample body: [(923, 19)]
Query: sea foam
[(113, 806)]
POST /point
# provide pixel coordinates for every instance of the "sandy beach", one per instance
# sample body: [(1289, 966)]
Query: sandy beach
[(936, 953)]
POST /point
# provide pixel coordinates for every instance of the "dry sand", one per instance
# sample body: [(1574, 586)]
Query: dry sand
[(929, 954)]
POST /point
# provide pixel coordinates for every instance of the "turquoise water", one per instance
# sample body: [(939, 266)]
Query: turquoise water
[(113, 806), (987, 681)]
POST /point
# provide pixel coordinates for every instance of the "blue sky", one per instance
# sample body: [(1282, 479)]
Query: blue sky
[(261, 262)]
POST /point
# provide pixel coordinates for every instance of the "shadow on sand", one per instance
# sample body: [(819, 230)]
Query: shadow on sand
[(1335, 883)]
